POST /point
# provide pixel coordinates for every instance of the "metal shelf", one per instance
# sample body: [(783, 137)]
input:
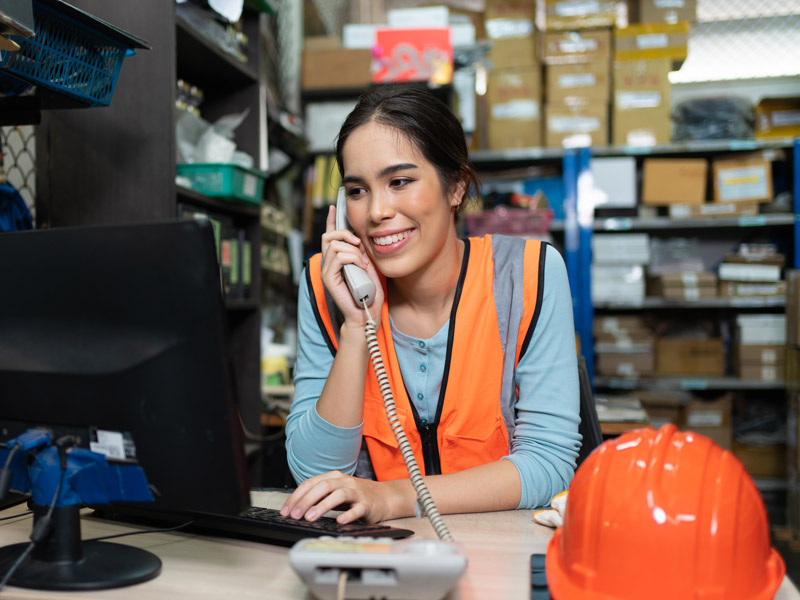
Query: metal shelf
[(658, 223), (482, 157), (685, 383), (719, 302)]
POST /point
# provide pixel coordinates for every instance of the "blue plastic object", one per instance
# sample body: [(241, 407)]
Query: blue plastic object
[(67, 56), (88, 478)]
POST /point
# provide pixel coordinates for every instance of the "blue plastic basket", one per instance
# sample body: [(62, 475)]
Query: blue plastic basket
[(67, 56)]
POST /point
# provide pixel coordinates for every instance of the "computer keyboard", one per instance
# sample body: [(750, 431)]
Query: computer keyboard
[(257, 524), (267, 524)]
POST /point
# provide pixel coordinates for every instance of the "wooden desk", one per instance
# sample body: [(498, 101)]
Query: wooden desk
[(498, 545)]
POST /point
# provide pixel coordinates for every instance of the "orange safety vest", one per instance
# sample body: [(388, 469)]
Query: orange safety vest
[(496, 305)]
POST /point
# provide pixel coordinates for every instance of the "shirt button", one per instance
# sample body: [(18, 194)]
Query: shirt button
[(423, 368), (420, 396), (422, 344), (424, 421)]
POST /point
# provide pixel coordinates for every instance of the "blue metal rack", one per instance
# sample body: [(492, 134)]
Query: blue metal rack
[(796, 202), (578, 225)]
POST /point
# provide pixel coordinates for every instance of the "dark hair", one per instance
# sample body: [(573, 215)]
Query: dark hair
[(426, 121)]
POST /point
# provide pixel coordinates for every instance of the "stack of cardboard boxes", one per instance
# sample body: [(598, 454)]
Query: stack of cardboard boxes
[(514, 83), (644, 54), (576, 52)]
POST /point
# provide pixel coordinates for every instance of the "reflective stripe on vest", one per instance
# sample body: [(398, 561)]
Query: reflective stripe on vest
[(495, 309)]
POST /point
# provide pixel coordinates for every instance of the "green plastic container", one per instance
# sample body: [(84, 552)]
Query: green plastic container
[(226, 181)]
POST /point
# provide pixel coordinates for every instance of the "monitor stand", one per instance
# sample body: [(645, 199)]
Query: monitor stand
[(64, 562)]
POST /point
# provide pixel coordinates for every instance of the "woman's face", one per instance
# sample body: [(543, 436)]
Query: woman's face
[(395, 200)]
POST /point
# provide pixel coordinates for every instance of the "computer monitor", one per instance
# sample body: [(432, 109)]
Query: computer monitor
[(122, 328)]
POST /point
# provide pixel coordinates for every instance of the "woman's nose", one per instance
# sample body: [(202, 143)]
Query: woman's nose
[(381, 207)]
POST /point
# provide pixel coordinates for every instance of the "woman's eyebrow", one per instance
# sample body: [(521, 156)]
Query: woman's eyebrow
[(381, 174)]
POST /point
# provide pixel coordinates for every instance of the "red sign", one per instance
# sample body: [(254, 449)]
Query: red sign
[(413, 55)]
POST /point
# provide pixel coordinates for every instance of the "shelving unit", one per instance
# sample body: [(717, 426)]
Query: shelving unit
[(118, 164), (575, 231)]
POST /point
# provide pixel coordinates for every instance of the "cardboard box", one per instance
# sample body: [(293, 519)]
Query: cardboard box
[(761, 354), (509, 10), (743, 289), (652, 40), (778, 117), (624, 364), (713, 210), (712, 419), (762, 460), (674, 180), (514, 108), (579, 80), (577, 125), (618, 325), (591, 45), (642, 103), (562, 15), (667, 11), (664, 406), (513, 52), (335, 68), (744, 179), (684, 285), (762, 372), (690, 358), (792, 307)]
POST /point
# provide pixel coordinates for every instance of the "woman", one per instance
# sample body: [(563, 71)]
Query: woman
[(477, 336)]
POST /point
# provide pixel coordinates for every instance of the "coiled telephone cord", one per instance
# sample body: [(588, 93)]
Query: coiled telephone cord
[(424, 496)]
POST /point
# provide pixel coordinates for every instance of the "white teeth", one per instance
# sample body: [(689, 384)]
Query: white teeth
[(390, 239)]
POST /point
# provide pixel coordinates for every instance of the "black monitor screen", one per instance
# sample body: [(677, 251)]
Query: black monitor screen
[(117, 334)]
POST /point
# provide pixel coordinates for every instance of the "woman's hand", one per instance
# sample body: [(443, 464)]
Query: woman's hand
[(341, 247), (369, 500)]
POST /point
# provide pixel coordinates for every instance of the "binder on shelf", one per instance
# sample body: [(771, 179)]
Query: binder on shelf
[(229, 261), (319, 180), (246, 264)]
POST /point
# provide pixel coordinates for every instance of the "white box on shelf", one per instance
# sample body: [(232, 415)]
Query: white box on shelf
[(761, 329), (621, 248), (615, 177), (323, 121), (618, 283)]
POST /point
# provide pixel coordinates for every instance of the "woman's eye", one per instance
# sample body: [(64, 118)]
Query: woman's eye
[(400, 182), (355, 191)]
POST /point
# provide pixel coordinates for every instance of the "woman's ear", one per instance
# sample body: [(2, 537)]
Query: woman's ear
[(458, 190)]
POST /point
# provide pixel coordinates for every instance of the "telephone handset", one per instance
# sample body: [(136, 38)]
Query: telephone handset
[(363, 290), (361, 286)]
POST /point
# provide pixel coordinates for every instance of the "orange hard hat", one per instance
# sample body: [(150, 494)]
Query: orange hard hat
[(663, 514)]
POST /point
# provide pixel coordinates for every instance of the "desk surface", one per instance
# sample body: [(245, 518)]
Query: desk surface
[(498, 545)]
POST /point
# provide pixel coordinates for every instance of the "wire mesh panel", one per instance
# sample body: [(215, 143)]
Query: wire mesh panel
[(742, 39), (19, 161)]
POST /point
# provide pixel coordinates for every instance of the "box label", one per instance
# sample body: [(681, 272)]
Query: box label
[(577, 8), (652, 40), (577, 46), (572, 80), (743, 183), (705, 419), (577, 124), (509, 28), (628, 100), (249, 185), (516, 109), (785, 118)]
